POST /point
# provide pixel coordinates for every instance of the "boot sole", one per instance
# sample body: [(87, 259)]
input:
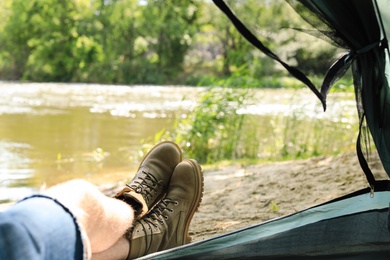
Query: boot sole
[(198, 197)]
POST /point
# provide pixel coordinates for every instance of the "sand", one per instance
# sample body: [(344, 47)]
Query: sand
[(236, 197)]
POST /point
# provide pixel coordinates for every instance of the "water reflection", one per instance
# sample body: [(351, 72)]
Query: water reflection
[(15, 170)]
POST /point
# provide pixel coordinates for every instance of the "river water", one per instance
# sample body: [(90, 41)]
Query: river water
[(51, 132)]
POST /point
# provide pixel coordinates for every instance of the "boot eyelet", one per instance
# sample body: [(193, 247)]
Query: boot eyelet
[(166, 217), (171, 210), (176, 203)]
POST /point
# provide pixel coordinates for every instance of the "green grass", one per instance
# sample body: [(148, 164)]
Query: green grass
[(214, 132)]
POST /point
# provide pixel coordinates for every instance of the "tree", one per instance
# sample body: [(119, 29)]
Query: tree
[(42, 40), (169, 27), (15, 34), (150, 41), (113, 24)]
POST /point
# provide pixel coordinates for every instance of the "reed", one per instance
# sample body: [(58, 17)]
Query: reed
[(217, 131)]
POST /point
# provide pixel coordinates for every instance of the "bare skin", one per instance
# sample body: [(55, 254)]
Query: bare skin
[(104, 219), (119, 250)]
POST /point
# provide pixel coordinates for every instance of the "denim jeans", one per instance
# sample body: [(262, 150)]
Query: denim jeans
[(39, 227)]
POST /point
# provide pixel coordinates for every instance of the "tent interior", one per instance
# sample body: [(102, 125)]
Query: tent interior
[(355, 226)]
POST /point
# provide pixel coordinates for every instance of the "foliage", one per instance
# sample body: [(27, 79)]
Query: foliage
[(172, 25), (214, 129), (149, 42)]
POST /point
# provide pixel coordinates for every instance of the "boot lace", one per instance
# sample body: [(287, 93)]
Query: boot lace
[(156, 215), (146, 186)]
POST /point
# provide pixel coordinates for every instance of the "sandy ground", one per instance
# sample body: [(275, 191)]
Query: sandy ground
[(238, 196)]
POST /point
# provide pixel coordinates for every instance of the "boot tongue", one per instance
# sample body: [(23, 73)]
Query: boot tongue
[(135, 200)]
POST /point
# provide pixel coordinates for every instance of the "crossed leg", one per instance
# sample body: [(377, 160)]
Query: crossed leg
[(104, 219)]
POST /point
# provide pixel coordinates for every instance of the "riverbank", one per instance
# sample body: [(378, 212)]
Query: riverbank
[(239, 196)]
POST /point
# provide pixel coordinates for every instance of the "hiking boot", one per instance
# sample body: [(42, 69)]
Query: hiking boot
[(167, 225), (152, 179)]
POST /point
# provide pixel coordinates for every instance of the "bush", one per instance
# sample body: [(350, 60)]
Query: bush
[(214, 130)]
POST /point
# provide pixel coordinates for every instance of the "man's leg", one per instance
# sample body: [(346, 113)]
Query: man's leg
[(119, 250), (69, 221), (107, 219), (104, 219), (141, 194)]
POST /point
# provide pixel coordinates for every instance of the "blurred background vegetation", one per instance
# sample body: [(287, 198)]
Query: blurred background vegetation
[(186, 42)]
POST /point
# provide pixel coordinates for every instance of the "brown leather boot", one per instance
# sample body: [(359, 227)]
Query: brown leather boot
[(166, 225), (152, 179)]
